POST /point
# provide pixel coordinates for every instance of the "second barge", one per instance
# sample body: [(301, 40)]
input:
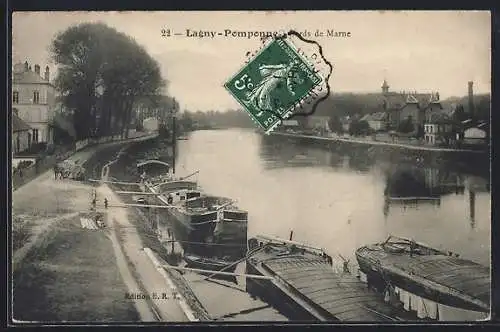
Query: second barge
[(305, 285)]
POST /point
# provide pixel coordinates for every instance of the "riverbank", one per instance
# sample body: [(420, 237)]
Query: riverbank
[(62, 271), (463, 160), (384, 144)]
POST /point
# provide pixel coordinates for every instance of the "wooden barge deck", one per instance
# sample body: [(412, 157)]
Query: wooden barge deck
[(306, 287), (428, 273)]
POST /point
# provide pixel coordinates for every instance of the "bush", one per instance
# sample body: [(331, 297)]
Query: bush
[(20, 232), (406, 126), (24, 164), (51, 149), (359, 128)]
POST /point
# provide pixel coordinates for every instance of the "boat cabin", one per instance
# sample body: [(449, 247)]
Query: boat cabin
[(168, 186), (182, 195), (152, 168)]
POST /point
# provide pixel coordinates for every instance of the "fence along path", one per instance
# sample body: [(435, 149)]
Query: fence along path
[(25, 175)]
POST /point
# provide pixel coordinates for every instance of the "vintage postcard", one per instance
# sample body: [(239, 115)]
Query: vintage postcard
[(251, 166)]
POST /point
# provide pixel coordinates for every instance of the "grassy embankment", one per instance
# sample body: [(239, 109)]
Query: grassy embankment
[(67, 273)]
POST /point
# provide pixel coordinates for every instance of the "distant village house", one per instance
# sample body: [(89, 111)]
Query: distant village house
[(319, 123), (406, 106), (476, 135), (377, 121)]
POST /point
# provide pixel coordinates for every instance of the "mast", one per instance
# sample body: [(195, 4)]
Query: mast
[(174, 135)]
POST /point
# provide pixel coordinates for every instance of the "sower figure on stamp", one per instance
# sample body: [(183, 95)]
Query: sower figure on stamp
[(273, 75)]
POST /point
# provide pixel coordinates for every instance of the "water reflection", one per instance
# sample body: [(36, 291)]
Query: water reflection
[(337, 198), (408, 183), (410, 186)]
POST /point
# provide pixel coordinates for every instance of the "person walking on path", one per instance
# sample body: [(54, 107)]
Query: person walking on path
[(55, 171), (105, 203)]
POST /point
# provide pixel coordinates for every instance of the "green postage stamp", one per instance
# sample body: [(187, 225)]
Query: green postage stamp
[(280, 81)]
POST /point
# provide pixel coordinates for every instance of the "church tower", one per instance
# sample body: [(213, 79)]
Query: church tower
[(385, 88)]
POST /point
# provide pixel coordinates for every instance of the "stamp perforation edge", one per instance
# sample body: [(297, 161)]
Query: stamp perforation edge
[(254, 119)]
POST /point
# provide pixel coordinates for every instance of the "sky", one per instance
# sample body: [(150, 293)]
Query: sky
[(419, 51)]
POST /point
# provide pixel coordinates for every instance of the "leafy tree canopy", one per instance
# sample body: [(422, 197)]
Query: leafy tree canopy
[(102, 72)]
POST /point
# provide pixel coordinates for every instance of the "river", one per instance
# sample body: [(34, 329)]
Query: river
[(340, 201)]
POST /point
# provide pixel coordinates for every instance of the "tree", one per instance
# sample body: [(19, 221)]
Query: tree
[(406, 126), (102, 72), (460, 115), (186, 121), (420, 132), (359, 127), (335, 124)]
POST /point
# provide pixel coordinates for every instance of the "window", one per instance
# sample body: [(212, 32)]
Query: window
[(15, 97), (35, 135), (36, 97)]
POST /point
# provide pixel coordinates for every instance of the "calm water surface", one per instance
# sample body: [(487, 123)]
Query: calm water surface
[(339, 202)]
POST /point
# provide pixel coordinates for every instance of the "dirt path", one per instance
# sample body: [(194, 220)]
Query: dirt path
[(142, 306), (164, 300), (153, 282)]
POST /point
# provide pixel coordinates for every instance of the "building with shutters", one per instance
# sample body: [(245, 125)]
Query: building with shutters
[(33, 100)]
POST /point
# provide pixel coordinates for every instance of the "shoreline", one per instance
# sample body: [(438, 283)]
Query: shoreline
[(383, 144)]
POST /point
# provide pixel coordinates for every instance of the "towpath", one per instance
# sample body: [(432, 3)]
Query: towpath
[(152, 284)]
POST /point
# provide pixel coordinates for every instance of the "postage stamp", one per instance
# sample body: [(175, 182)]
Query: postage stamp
[(286, 77)]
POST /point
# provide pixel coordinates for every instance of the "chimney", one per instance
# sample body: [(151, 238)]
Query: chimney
[(471, 99), (37, 69), (47, 73), (26, 67)]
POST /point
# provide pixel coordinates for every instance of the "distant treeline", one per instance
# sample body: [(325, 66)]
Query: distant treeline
[(217, 119), (336, 106)]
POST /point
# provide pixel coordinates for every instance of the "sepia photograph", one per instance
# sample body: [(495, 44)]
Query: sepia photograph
[(250, 166)]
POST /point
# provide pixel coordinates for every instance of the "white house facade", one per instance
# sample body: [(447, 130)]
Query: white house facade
[(33, 100)]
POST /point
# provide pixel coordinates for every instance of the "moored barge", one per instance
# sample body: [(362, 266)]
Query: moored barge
[(214, 225), (212, 230), (305, 285), (435, 284)]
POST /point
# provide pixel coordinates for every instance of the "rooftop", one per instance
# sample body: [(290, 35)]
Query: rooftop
[(377, 116), (18, 124), (22, 74)]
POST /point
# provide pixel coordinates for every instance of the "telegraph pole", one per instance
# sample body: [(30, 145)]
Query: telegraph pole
[(174, 135)]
